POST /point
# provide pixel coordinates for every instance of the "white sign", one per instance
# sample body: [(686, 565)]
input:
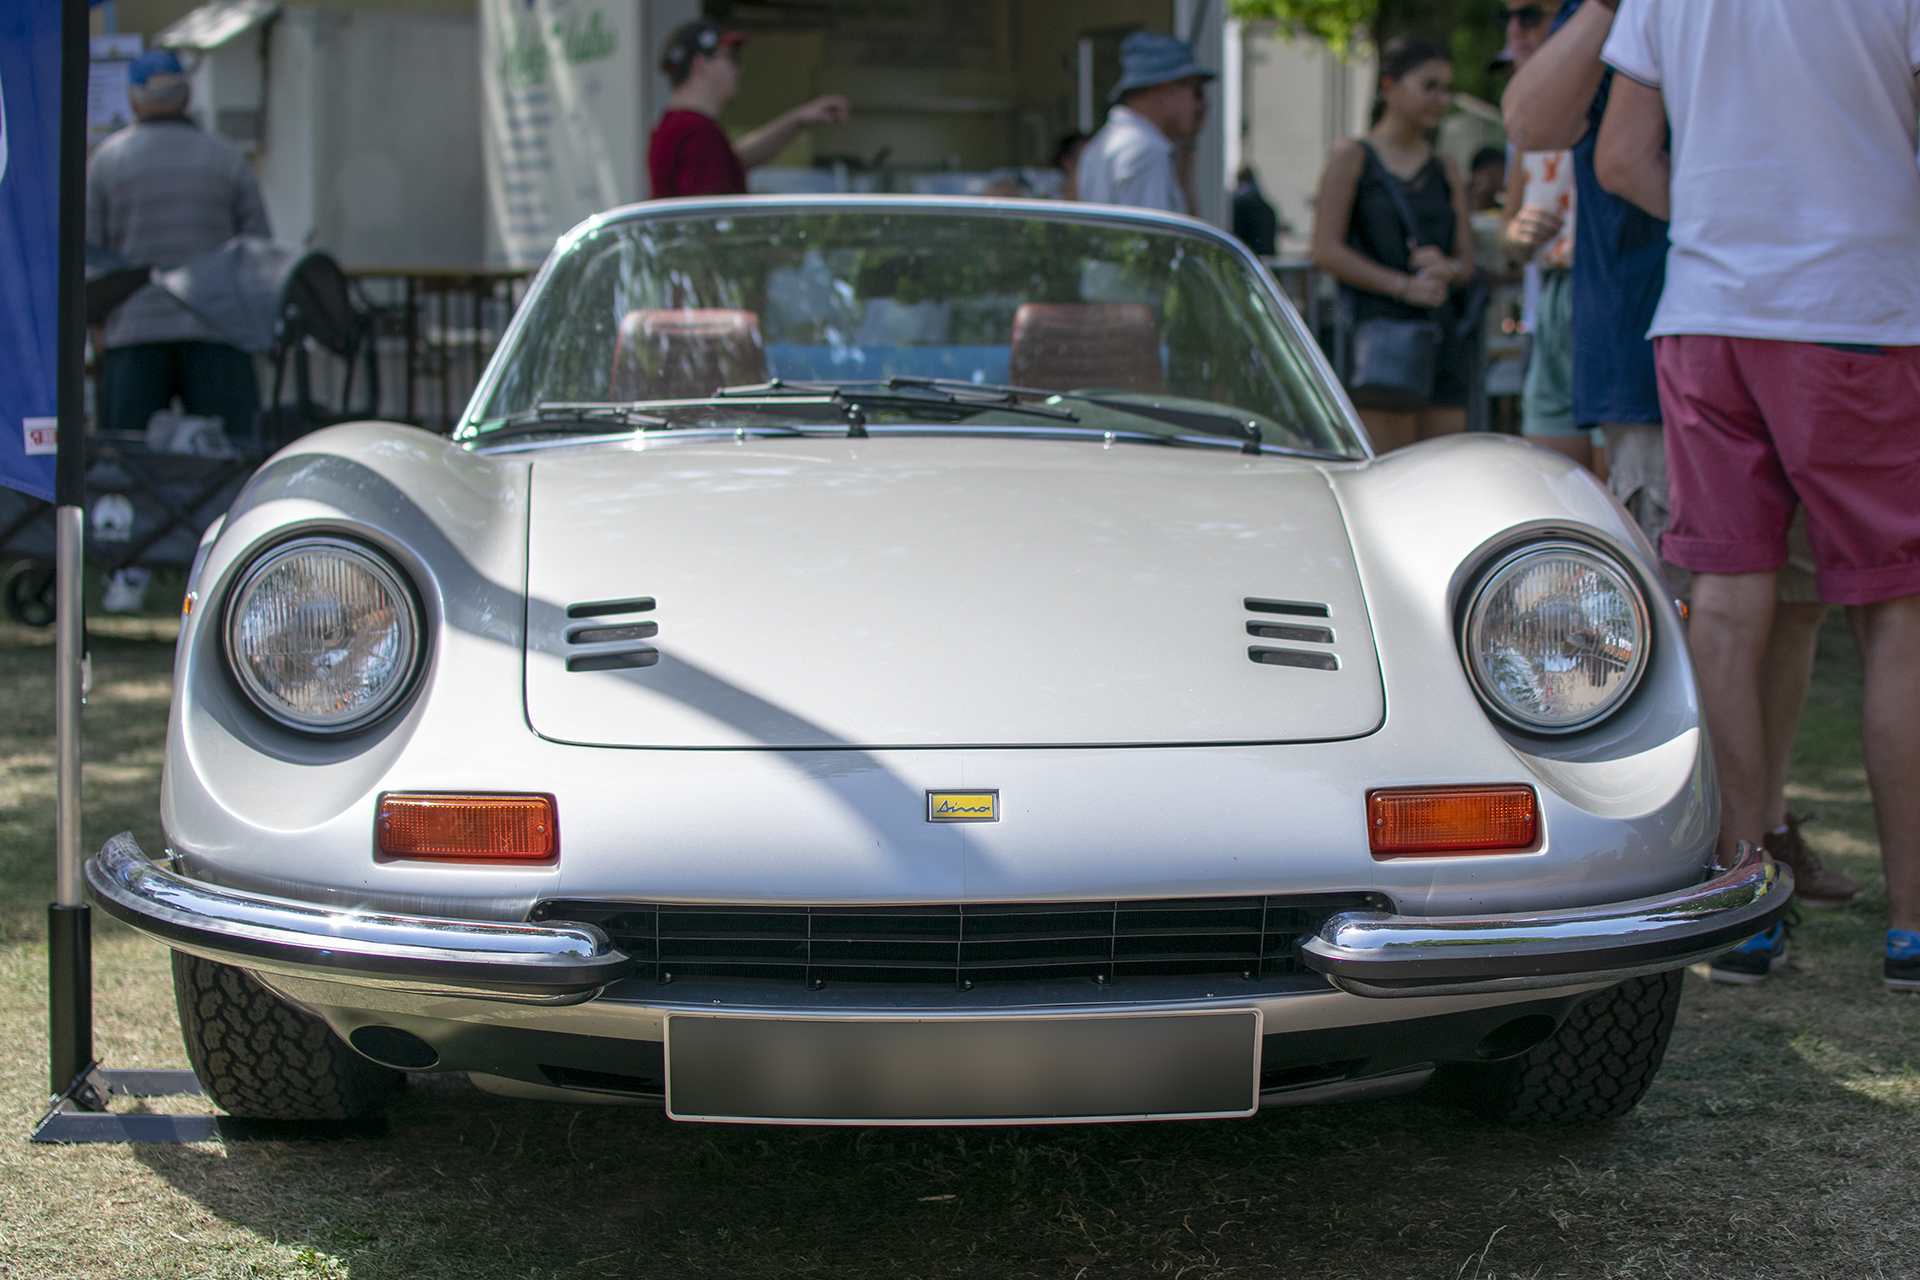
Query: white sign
[(42, 435), (107, 108), (564, 89)]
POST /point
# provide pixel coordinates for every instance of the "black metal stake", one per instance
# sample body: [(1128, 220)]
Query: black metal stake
[(69, 995)]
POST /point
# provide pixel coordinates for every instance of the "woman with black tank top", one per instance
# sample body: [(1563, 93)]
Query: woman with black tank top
[(1360, 238)]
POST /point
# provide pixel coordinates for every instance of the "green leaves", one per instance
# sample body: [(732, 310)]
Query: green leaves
[(1339, 22)]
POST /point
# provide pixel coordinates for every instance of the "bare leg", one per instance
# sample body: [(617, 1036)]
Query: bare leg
[(1390, 431), (1441, 422), (1732, 615), (1579, 448), (1599, 464), (1785, 674), (1889, 635)]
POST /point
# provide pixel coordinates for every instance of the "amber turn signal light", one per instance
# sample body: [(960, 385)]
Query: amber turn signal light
[(1435, 820), (489, 828)]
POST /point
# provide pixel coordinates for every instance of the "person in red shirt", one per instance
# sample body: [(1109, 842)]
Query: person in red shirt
[(688, 155)]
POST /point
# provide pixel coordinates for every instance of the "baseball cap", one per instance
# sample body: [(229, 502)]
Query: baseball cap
[(155, 62), (698, 36)]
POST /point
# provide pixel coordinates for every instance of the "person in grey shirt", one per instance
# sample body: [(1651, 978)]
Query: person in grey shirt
[(160, 193), (1159, 106)]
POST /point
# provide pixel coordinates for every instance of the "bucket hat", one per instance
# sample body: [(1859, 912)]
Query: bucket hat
[(1149, 58)]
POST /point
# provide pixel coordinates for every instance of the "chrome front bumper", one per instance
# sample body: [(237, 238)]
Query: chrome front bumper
[(1371, 953), (557, 963), (1361, 952)]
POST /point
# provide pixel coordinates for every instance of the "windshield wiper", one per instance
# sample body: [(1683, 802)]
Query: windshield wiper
[(1206, 422), (948, 394), (593, 413)]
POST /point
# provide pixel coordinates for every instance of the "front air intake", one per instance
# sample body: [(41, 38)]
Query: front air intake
[(962, 944)]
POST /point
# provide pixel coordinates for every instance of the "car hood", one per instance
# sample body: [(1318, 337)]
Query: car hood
[(939, 591)]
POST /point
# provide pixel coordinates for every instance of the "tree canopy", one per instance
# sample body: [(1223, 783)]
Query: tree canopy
[(1469, 28)]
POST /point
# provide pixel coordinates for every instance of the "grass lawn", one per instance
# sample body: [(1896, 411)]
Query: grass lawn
[(1781, 1139)]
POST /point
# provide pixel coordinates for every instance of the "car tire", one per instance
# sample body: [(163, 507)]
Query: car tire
[(1594, 1069), (260, 1058)]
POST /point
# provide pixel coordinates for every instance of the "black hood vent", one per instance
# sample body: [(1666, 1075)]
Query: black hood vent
[(611, 646), (1298, 632)]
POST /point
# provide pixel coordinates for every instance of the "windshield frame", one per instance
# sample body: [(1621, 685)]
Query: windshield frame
[(467, 429)]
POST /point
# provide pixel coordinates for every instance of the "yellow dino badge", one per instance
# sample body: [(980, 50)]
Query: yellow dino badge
[(963, 806)]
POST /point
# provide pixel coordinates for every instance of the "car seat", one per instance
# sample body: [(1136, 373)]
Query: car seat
[(1066, 346), (686, 354)]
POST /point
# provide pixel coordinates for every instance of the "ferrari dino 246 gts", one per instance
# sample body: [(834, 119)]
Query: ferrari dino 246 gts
[(868, 661)]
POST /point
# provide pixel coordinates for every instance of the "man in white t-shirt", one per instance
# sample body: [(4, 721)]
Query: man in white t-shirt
[(1787, 343)]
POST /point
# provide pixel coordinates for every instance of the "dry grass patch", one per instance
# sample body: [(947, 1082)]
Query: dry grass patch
[(1782, 1139)]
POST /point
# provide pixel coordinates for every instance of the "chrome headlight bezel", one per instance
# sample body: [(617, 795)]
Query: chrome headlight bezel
[(391, 577), (1498, 569)]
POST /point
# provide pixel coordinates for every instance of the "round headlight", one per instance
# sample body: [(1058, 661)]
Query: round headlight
[(1556, 637), (323, 635)]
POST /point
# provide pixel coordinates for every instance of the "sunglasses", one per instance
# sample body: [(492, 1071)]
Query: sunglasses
[(1528, 16)]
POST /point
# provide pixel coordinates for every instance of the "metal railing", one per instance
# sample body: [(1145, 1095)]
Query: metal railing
[(434, 331)]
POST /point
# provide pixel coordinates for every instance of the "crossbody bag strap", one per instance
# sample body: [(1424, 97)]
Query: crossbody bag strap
[(1400, 205), (1394, 193)]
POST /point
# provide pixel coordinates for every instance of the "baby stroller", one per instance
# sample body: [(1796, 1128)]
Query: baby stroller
[(285, 301)]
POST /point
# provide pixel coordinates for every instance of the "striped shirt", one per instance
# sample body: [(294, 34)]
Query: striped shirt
[(160, 193)]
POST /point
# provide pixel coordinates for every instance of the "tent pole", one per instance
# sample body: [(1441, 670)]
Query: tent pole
[(78, 1110), (69, 924)]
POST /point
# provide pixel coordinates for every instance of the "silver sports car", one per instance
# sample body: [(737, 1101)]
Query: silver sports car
[(874, 661)]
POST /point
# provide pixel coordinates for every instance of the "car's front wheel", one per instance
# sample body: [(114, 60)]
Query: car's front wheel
[(259, 1057), (1595, 1068)]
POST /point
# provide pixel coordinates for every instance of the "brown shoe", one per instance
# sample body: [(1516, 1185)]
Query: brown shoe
[(1814, 883)]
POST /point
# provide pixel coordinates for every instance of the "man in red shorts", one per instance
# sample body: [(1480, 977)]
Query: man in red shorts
[(1788, 352), (688, 154)]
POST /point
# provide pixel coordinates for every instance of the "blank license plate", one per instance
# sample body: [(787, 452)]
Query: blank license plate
[(742, 1067)]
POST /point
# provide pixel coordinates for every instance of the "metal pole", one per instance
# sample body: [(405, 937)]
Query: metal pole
[(68, 657), (69, 925)]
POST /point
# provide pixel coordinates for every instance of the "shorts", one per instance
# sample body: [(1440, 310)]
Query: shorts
[(1756, 427), (1546, 398), (1637, 476)]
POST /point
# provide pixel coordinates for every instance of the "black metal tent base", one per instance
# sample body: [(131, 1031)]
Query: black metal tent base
[(80, 1114)]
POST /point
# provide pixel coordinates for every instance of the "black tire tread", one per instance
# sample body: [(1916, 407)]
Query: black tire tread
[(1593, 1070), (260, 1058)]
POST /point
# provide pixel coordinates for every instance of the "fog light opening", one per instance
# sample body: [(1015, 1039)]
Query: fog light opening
[(392, 1047), (1511, 1039)]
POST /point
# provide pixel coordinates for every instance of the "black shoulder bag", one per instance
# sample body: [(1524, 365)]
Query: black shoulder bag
[(1391, 362)]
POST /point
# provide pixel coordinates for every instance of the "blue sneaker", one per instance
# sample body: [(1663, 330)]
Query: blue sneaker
[(1903, 960), (1753, 959)]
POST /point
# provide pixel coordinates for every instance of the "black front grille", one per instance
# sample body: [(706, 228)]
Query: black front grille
[(962, 945)]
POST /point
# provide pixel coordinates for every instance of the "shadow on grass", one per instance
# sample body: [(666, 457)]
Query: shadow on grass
[(471, 1185)]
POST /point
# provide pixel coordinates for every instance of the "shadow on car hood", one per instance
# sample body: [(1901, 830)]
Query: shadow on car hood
[(939, 591)]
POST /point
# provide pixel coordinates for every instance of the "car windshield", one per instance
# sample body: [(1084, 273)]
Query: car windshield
[(928, 319)]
